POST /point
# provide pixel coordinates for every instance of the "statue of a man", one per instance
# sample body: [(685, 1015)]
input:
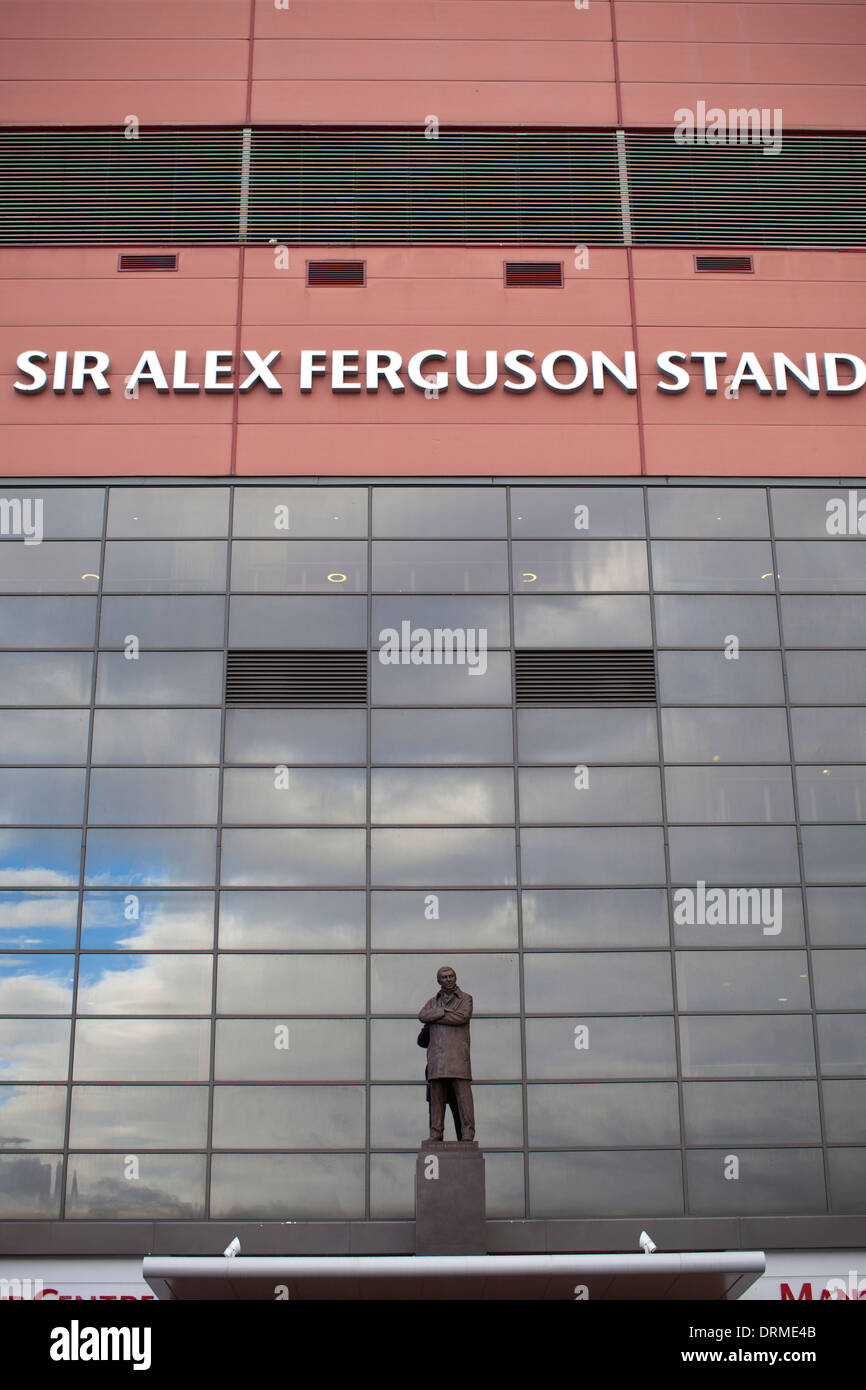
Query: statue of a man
[(448, 1014)]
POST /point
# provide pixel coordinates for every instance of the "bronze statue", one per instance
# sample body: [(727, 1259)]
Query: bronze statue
[(448, 1014)]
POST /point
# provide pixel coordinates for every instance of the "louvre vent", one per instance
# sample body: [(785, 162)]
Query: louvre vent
[(296, 678), (584, 677), (336, 273), (725, 265), (533, 274), (147, 260)]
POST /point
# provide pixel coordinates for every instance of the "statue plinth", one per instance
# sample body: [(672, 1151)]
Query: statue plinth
[(450, 1214)]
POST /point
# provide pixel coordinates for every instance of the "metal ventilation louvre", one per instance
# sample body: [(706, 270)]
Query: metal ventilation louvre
[(97, 186), (533, 274), (811, 193), (358, 187), (336, 273), (584, 677), (296, 678), (724, 265), (153, 260)]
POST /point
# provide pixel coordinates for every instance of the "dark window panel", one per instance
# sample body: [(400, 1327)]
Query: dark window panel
[(392, 1186), (584, 1185), (579, 566), (284, 623), (287, 566), (41, 796), (152, 920), (160, 678), (709, 678), (295, 736), (153, 796), (67, 513), (601, 917), (44, 736), (136, 736), (38, 984), (844, 1111), (296, 796), (35, 1049), (586, 621), (708, 511), (145, 984), (434, 796), (293, 858), (842, 1044), (729, 794), (747, 1045), (138, 1117), (826, 678), (286, 513), (150, 858), (293, 1049), (165, 567), (447, 858), (829, 735), (289, 1117), (263, 1187), (587, 735), (169, 1187), (296, 920), (142, 1049), (837, 621), (457, 921), (595, 1113), (495, 1050), (708, 621), (832, 793), (847, 1187), (399, 1113), (39, 858), (142, 512), (46, 678), (295, 984), (445, 611), (821, 567), (483, 680), (725, 735), (840, 979), (441, 736), (759, 981), (30, 1185), (773, 920), (753, 856), (54, 567), (834, 853), (178, 621), (397, 982), (439, 511), (47, 622), (837, 916), (751, 1112), (38, 921), (803, 511), (585, 1048), (712, 566), (597, 982), (573, 512), (440, 567), (628, 854), (32, 1117), (549, 796), (783, 1181)]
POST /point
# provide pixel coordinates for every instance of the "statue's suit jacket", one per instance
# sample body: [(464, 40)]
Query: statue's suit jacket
[(448, 1050)]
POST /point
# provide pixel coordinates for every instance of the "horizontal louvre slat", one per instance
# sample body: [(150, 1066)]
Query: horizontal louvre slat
[(154, 260), (529, 274), (724, 265), (335, 273), (296, 678), (584, 677)]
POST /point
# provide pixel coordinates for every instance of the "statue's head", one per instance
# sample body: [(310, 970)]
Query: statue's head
[(447, 978)]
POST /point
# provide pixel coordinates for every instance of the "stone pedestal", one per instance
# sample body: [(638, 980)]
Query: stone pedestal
[(450, 1216)]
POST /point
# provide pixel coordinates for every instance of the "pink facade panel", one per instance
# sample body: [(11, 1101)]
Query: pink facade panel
[(754, 451), (803, 107), (480, 21), (101, 450), (527, 103), (125, 19), (741, 23), (110, 103)]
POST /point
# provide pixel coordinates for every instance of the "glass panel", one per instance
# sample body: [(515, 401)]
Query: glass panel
[(37, 858), (439, 511), (156, 736), (441, 736), (399, 1116), (609, 918), (65, 512), (30, 796), (566, 621), (746, 980), (165, 567), (562, 511), (846, 1180), (732, 918), (821, 567), (34, 1049), (751, 1112), (169, 1186), (840, 979), (572, 795), (138, 1117), (771, 1180), (707, 678), (283, 796), (708, 511), (446, 611), (162, 622), (440, 567), (160, 678), (709, 622), (837, 916), (394, 1055), (262, 1187), (748, 1045), (54, 567), (281, 623), (45, 678), (153, 796), (596, 1047), (288, 511), (845, 1111), (597, 982), (289, 1117), (47, 622), (626, 855), (142, 1049), (828, 735), (313, 567), (428, 858), (152, 984), (842, 1044), (725, 735), (832, 793), (837, 678), (839, 621), (587, 735), (296, 736), (717, 566), (30, 1185), (728, 794), (168, 511), (147, 921), (605, 1184), (453, 921), (289, 985), (642, 1112), (300, 1049), (811, 511), (403, 984), (289, 858), (150, 858), (38, 921), (834, 853), (32, 1117), (483, 679), (756, 855), (569, 566), (292, 921), (433, 796), (44, 736)]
